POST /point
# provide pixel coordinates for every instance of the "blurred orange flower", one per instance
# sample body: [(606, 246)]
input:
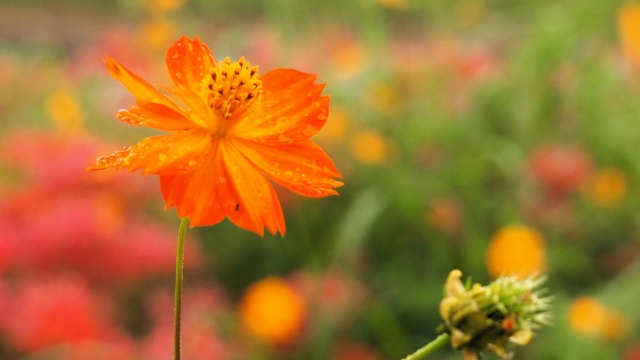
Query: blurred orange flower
[(608, 186), (369, 147), (629, 31), (516, 250), (64, 110), (397, 4), (237, 127), (157, 33), (589, 317), (273, 311), (164, 6), (586, 315)]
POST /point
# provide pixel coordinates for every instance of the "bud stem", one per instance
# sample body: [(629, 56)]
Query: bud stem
[(434, 345)]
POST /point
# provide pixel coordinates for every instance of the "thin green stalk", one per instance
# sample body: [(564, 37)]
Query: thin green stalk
[(177, 315), (434, 345)]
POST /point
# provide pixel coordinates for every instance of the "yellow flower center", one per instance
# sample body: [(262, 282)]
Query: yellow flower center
[(231, 85)]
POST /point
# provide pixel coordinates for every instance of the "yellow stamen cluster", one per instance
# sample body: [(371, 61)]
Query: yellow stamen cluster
[(231, 85)]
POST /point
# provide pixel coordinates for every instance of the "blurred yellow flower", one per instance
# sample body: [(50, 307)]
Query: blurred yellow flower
[(273, 311), (516, 250), (64, 110), (469, 12), (157, 34), (586, 315), (589, 317), (629, 31), (164, 6), (385, 98), (348, 59), (614, 326), (336, 128), (369, 147), (397, 4), (608, 186)]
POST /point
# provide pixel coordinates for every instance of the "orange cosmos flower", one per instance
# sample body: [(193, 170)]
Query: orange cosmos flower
[(228, 129), (272, 310), (516, 250)]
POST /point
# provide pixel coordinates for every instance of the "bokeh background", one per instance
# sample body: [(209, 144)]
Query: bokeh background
[(489, 136)]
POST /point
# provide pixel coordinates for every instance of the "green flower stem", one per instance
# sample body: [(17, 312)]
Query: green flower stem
[(177, 315), (434, 345)]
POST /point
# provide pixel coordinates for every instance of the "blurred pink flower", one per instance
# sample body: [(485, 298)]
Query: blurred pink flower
[(55, 161), (264, 47), (47, 313), (56, 217), (200, 311), (118, 42), (560, 168), (120, 348), (333, 295), (355, 351)]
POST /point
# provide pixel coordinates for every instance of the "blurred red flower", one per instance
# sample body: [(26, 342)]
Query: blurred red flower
[(355, 351), (560, 168), (46, 313), (55, 217), (332, 295), (201, 309)]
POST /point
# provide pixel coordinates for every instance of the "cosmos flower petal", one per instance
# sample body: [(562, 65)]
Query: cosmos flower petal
[(194, 194), (291, 109), (199, 112), (158, 116), (142, 90), (237, 191), (302, 167), (162, 155), (188, 62), (248, 198)]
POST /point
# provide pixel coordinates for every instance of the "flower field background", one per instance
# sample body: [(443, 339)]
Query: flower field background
[(488, 136)]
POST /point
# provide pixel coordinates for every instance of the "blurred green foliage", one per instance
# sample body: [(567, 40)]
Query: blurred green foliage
[(555, 76)]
